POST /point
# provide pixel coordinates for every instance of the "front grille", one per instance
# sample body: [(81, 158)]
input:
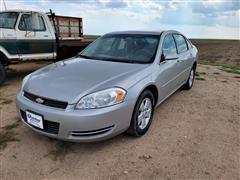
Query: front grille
[(92, 133), (46, 102), (48, 126)]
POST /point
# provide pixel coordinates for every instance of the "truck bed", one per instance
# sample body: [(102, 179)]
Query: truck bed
[(67, 28), (74, 42)]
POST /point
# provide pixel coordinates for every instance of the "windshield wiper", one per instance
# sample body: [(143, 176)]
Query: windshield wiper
[(129, 61), (83, 56), (112, 60)]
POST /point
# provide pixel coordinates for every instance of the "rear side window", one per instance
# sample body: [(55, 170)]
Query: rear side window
[(169, 47), (27, 23), (181, 43), (189, 44)]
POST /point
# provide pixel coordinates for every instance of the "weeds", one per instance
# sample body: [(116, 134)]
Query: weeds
[(10, 70), (230, 68), (199, 77), (11, 126), (5, 101), (61, 149), (8, 135)]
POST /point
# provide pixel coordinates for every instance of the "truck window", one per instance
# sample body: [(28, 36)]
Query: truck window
[(8, 19), (26, 23)]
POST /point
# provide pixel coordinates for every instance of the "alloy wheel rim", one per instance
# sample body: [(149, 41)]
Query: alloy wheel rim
[(144, 113), (191, 78)]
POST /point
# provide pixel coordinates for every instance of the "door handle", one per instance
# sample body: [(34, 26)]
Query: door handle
[(179, 60), (45, 35)]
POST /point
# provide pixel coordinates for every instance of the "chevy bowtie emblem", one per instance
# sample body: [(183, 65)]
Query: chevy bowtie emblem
[(39, 100)]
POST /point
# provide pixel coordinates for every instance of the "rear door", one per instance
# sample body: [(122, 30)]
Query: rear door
[(32, 42), (184, 58)]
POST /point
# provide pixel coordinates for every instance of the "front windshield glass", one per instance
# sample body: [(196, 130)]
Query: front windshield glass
[(8, 19), (123, 48)]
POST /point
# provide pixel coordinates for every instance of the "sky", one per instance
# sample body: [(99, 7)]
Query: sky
[(215, 19)]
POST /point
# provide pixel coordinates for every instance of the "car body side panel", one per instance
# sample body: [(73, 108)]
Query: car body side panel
[(71, 80)]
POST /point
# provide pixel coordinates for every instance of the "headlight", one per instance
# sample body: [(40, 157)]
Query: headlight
[(25, 79), (100, 99)]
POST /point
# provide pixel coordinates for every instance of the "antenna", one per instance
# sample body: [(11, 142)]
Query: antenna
[(4, 5)]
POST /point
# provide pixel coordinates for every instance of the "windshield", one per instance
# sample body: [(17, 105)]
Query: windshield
[(8, 19), (123, 48)]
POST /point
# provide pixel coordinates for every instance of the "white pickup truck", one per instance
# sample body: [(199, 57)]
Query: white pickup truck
[(27, 35)]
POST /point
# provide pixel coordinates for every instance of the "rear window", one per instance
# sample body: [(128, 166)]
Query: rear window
[(181, 43), (8, 19)]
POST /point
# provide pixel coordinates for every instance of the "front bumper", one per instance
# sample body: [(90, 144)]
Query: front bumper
[(78, 125)]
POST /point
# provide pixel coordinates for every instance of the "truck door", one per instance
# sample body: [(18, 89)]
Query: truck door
[(34, 40), (8, 34)]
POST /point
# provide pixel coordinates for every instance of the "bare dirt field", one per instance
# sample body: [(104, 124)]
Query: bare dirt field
[(194, 135), (218, 51)]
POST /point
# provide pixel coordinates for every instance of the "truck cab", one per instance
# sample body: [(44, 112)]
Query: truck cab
[(26, 35), (29, 35)]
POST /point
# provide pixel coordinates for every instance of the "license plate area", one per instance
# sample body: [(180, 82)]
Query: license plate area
[(34, 119)]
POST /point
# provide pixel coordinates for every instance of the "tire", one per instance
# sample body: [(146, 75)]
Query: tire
[(2, 74), (188, 85), (137, 127)]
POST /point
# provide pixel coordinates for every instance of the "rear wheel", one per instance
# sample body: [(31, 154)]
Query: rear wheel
[(188, 85), (142, 114), (2, 73)]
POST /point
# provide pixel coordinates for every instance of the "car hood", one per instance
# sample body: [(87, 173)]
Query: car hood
[(71, 79)]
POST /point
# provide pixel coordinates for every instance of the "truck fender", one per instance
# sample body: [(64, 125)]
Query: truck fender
[(7, 56)]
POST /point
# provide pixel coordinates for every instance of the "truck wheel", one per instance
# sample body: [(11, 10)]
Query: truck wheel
[(2, 73)]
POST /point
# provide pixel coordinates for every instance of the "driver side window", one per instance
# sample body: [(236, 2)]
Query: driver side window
[(27, 23), (169, 46)]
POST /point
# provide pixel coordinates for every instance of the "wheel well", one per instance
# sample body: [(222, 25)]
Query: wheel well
[(3, 59), (195, 65), (154, 91)]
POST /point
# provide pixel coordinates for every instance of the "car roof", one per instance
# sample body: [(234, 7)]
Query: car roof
[(144, 32)]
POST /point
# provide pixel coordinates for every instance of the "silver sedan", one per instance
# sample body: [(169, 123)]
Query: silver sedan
[(112, 86)]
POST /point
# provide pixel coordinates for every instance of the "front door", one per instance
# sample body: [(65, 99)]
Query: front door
[(32, 42), (168, 69)]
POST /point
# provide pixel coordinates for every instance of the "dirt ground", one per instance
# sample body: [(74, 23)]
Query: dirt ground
[(194, 135), (219, 51)]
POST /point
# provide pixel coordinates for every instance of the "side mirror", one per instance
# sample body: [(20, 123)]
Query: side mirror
[(162, 58), (168, 57)]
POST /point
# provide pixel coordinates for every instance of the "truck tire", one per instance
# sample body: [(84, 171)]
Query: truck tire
[(2, 73)]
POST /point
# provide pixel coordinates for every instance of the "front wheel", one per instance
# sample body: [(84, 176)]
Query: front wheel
[(142, 114), (2, 73), (188, 85)]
